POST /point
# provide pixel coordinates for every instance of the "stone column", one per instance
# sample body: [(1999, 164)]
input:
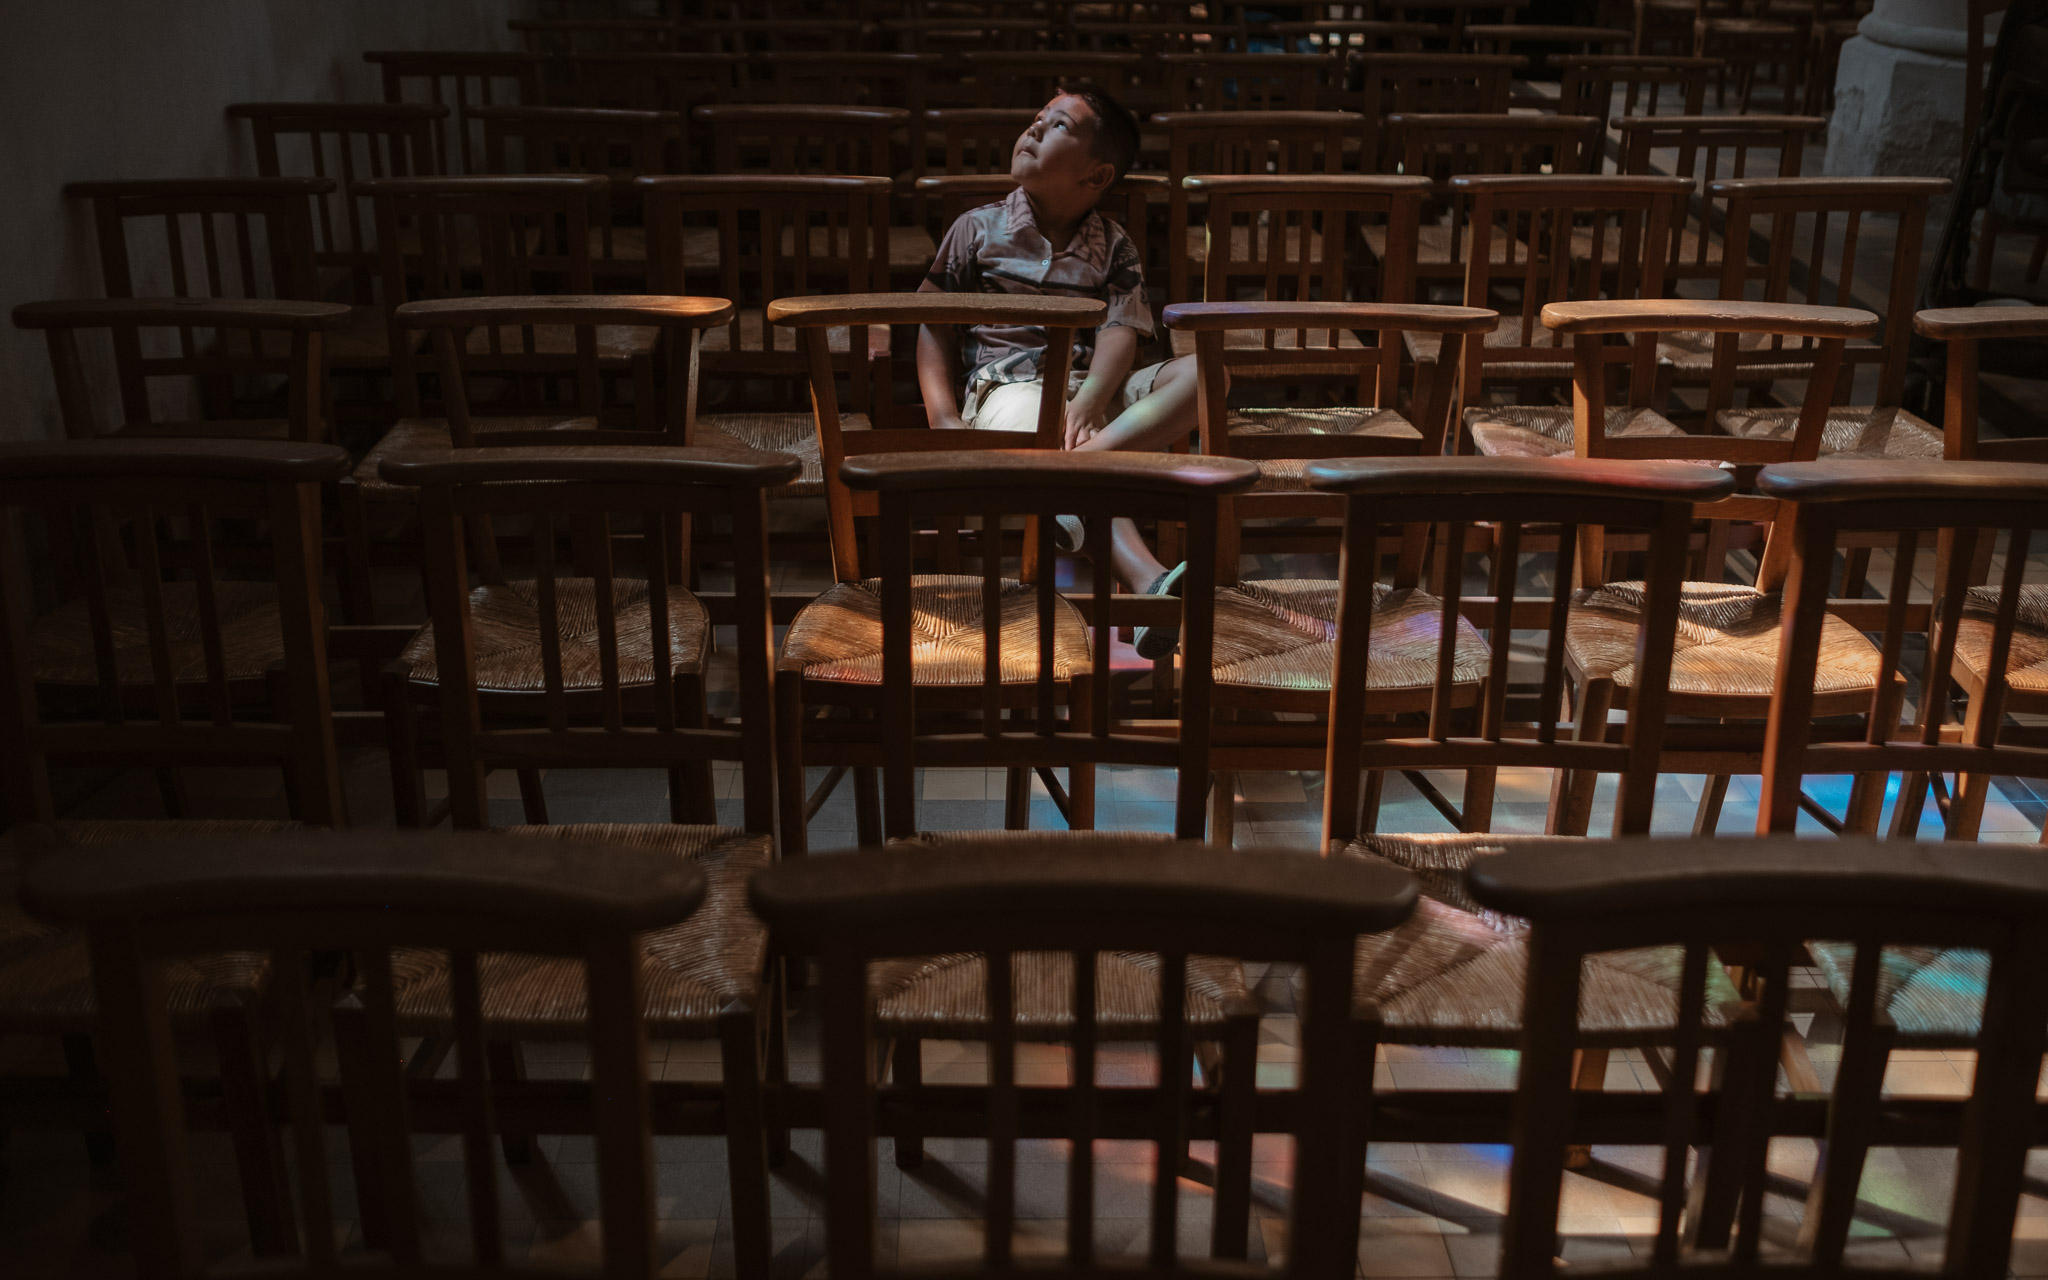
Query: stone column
[(1899, 92)]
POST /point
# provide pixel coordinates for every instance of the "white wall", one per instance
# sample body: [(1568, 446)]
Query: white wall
[(100, 89)]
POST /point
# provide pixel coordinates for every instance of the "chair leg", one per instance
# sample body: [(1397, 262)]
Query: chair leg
[(1477, 802), (1571, 790), (775, 1060), (1866, 792), (906, 1067), (1708, 816), (1966, 810), (1017, 800), (1223, 810), (359, 1111), (81, 1064), (401, 737), (1237, 1090), (867, 806), (533, 801), (1588, 1076), (1369, 801), (1717, 1183), (791, 794), (691, 795), (358, 599), (507, 1061), (746, 1151), (259, 1149)]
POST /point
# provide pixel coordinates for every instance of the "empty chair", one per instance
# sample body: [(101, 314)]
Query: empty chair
[(2014, 333), (1704, 149), (621, 145), (678, 82), (1588, 84), (1246, 81), (463, 79), (1377, 85)]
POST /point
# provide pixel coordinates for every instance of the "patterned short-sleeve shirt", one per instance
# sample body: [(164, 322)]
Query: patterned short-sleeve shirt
[(998, 248)]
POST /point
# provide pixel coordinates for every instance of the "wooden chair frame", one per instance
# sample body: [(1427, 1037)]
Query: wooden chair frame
[(471, 78), (1246, 81), (1421, 83), (1702, 142), (1588, 80)]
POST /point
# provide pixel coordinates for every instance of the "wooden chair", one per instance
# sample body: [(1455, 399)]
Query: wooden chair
[(1787, 211), (1984, 641), (831, 655), (898, 80), (750, 36), (757, 238), (2015, 333), (1377, 85), (1238, 142), (1012, 78), (1693, 905), (493, 900), (1100, 914), (1153, 41), (1746, 43), (1534, 41), (972, 140), (621, 145), (955, 34), (1535, 239), (1455, 16), (470, 78), (1246, 81), (276, 344), (579, 668), (1588, 83), (1699, 148), (678, 82)]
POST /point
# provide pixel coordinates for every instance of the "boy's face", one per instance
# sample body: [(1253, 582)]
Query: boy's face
[(1057, 151)]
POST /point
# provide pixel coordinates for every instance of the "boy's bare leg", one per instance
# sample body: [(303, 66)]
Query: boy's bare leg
[(1164, 417), (1135, 566)]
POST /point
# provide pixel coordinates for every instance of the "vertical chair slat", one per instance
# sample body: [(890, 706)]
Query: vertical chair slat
[(1357, 566), (1047, 601), (1997, 679), (149, 575), (479, 1162), (1103, 586), (1170, 1131), (1447, 631), (848, 1069), (1896, 599), (550, 621), (654, 539), (1081, 1152), (1681, 1101), (618, 1052), (1553, 648), (1542, 1115), (290, 990), (991, 624), (604, 590), (209, 616), (1773, 975), (1500, 641), (1000, 1210), (899, 710)]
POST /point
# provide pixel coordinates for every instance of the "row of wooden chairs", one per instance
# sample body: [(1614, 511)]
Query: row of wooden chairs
[(1682, 1011)]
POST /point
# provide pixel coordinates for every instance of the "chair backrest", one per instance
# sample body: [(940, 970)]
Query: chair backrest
[(815, 317), (206, 237), (1032, 78), (1565, 237), (770, 236), (914, 489), (972, 140), (1973, 640), (1822, 331), (1693, 902), (467, 78), (1454, 15), (1377, 85), (480, 237), (555, 37), (480, 338), (775, 35), (345, 141), (1587, 83), (594, 493), (1086, 896), (1700, 148), (801, 138), (848, 80), (1537, 39), (675, 82), (1246, 81), (136, 666), (1823, 217), (954, 33), (1509, 495), (1242, 142), (361, 896), (1441, 147), (622, 145), (273, 348), (1964, 329)]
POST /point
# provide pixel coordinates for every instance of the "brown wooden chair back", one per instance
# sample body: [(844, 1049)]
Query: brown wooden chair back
[(776, 236), (1032, 78), (1587, 83), (1536, 39), (973, 140), (677, 82), (1078, 896), (816, 316), (800, 138), (361, 896), (1975, 640), (621, 145), (1705, 145), (237, 367), (1515, 497), (782, 34), (1442, 147), (216, 237), (1562, 238), (345, 141), (594, 493), (1241, 142), (1455, 16), (1704, 902), (1823, 217), (465, 78), (1965, 330), (137, 666), (479, 237), (1377, 85), (1246, 81), (559, 37)]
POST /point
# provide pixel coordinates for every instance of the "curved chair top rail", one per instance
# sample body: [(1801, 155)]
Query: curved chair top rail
[(1893, 481), (1838, 188), (1001, 183), (843, 58), (1054, 57), (1170, 120), (597, 308), (937, 308), (1553, 33), (575, 115), (1312, 183), (981, 115), (343, 110), (165, 187), (1580, 477), (1420, 317), (648, 464), (784, 112), (1668, 315), (488, 184), (1972, 323), (1507, 124), (244, 313), (1591, 184), (1276, 61), (786, 183), (1734, 124), (1446, 61), (1023, 469), (147, 457), (1601, 61), (452, 57)]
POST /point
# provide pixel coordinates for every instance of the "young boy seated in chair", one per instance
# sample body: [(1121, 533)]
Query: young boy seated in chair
[(1049, 238)]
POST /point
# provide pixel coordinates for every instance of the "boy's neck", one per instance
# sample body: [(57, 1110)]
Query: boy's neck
[(1058, 221)]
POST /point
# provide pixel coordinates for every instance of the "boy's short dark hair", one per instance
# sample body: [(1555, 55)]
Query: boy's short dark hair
[(1116, 129)]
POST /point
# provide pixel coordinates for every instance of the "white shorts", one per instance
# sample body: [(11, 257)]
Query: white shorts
[(1013, 406)]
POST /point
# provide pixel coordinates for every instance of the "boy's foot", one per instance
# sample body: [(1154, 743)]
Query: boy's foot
[(1068, 534), (1154, 643)]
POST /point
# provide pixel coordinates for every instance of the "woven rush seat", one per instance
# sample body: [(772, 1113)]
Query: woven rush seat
[(1546, 431), (689, 972), (252, 639), (46, 970), (505, 626), (429, 435), (838, 636), (1727, 643), (1849, 432), (1690, 356), (2026, 667), (795, 434), (1934, 996), (1453, 973), (1287, 475), (1283, 635)]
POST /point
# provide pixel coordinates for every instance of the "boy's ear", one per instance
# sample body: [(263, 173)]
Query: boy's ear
[(1100, 176)]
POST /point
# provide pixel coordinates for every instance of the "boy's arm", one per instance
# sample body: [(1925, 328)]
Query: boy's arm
[(938, 370), (1088, 412)]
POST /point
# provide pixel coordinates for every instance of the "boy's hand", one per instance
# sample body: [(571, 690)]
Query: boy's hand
[(940, 420), (1085, 419)]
